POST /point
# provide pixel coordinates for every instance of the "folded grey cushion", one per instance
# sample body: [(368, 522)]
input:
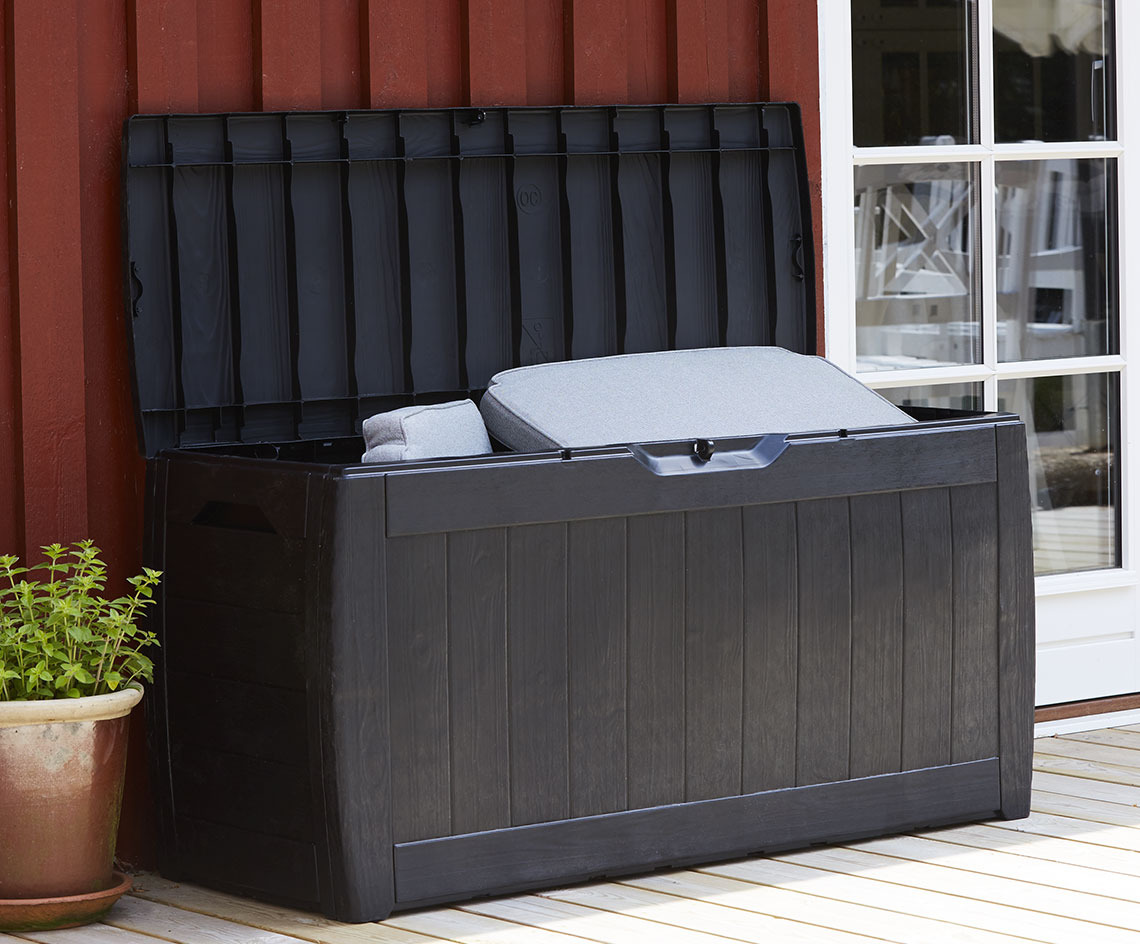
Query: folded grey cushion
[(431, 431), (667, 395)]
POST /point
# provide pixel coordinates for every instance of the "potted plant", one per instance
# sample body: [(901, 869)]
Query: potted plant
[(70, 663)]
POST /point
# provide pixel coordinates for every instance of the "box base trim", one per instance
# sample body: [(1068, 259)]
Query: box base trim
[(510, 860)]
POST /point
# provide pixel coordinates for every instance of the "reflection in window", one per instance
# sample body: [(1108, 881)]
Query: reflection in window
[(1072, 425), (1056, 266), (965, 397), (916, 266), (910, 72), (1052, 66)]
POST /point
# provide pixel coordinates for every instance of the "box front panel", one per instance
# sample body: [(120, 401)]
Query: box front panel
[(553, 671)]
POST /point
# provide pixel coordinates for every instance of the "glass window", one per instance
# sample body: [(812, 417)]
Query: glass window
[(916, 267), (1072, 424), (1053, 70), (960, 396), (1048, 243), (1056, 262), (911, 72), (987, 268)]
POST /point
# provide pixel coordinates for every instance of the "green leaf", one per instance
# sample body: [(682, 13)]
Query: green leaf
[(80, 633), (56, 632)]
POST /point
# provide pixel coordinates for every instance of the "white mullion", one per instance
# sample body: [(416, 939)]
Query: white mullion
[(837, 182), (1129, 513), (924, 376), (987, 203), (1084, 580), (990, 393), (1128, 206), (1049, 150), (987, 246), (985, 90), (918, 154), (1128, 210), (1061, 366), (985, 373)]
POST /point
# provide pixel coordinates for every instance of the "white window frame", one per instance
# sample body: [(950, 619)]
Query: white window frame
[(839, 157)]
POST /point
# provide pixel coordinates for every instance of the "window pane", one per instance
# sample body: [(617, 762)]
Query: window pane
[(916, 266), (1072, 424), (1053, 70), (911, 66), (1056, 267), (963, 396)]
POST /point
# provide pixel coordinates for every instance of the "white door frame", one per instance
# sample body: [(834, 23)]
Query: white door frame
[(1088, 644)]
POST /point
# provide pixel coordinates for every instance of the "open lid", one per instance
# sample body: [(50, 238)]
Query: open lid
[(288, 275)]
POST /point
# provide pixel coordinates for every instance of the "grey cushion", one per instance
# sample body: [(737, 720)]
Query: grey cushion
[(431, 431), (667, 395)]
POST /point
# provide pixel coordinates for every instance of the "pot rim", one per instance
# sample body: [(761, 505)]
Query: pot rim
[(14, 714)]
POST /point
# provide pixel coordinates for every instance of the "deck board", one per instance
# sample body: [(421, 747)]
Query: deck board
[(1083, 854), (997, 890), (1088, 770), (1070, 872), (1002, 864), (610, 926), (1078, 807), (1065, 827), (1096, 788), (954, 914), (712, 917), (796, 903), (1118, 737), (93, 934), (139, 916), (1109, 754)]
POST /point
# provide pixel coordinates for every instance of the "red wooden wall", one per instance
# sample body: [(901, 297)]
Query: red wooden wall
[(73, 70)]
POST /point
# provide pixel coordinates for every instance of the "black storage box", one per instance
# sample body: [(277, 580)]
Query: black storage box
[(386, 686)]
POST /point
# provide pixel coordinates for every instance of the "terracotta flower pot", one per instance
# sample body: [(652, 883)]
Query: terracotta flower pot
[(61, 785)]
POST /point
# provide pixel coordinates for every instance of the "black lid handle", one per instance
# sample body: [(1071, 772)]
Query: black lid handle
[(798, 272)]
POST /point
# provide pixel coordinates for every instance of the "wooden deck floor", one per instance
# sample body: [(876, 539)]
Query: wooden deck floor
[(1069, 874)]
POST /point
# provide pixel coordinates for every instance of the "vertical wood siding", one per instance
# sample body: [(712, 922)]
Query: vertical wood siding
[(73, 71)]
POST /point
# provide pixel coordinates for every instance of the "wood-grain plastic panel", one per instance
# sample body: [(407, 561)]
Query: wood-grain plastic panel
[(526, 490), (501, 861), (655, 698)]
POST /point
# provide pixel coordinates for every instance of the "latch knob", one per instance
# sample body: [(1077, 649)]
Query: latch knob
[(703, 449)]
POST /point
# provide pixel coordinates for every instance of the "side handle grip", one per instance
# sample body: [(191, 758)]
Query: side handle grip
[(234, 516)]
